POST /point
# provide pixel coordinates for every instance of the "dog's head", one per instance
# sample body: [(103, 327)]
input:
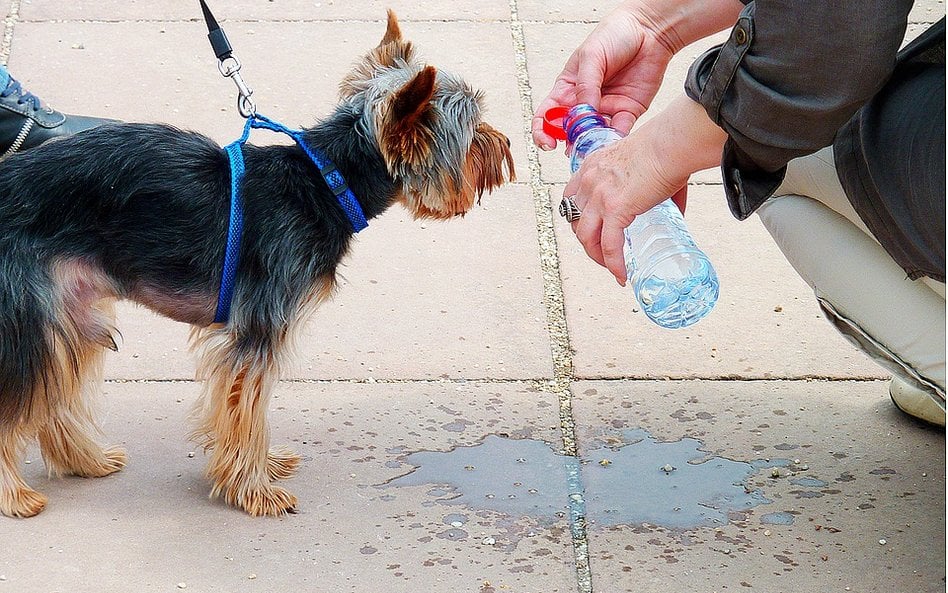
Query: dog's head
[(427, 124)]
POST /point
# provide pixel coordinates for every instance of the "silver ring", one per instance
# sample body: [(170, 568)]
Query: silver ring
[(569, 210)]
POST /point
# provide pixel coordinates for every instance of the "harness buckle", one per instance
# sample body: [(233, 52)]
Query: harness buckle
[(334, 179)]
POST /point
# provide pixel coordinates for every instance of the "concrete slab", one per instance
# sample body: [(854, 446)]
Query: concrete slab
[(385, 501), (925, 11), (412, 304), (152, 528), (860, 488), (253, 10), (563, 11), (462, 299), (766, 323), (74, 66)]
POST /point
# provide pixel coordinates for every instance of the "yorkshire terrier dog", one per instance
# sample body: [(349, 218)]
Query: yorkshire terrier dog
[(140, 212)]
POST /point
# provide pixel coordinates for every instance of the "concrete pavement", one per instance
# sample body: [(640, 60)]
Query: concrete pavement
[(479, 409)]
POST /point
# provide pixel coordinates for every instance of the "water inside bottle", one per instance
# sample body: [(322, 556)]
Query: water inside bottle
[(678, 290)]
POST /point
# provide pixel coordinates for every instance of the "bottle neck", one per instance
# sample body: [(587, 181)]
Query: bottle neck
[(582, 118)]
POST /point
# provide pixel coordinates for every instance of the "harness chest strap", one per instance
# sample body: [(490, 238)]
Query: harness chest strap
[(334, 179)]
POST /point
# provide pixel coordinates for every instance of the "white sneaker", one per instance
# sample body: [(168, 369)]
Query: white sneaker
[(916, 402)]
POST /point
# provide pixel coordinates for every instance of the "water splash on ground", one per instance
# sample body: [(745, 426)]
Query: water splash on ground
[(673, 484)]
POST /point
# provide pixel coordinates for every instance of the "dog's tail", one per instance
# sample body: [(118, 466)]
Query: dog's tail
[(27, 339)]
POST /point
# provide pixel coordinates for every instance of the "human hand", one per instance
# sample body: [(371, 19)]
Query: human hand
[(613, 186), (620, 181), (617, 70), (619, 67)]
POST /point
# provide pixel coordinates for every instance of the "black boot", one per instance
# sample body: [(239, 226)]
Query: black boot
[(25, 121)]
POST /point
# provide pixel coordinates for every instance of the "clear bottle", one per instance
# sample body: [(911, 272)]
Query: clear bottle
[(673, 280)]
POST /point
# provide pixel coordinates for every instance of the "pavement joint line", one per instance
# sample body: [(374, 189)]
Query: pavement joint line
[(13, 16), (560, 347), (549, 260), (545, 385), (446, 21), (534, 383), (309, 20), (732, 378)]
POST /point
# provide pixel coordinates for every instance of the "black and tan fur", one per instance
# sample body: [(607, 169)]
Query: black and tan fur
[(139, 212)]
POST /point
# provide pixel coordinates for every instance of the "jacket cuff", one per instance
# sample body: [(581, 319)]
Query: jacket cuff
[(746, 185), (712, 73)]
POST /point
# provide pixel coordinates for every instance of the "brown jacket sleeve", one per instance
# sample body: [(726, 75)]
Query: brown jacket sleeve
[(789, 76)]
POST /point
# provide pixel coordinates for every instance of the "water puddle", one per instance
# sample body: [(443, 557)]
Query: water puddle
[(780, 518), (671, 484), (511, 476)]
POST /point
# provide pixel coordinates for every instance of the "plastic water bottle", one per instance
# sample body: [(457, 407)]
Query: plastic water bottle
[(673, 280)]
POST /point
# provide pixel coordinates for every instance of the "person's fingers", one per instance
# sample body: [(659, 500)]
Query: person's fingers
[(588, 230), (542, 140), (624, 111), (560, 95), (623, 121), (571, 187), (589, 79), (612, 241)]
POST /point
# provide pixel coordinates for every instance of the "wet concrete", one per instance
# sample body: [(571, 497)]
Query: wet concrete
[(843, 471), (674, 484)]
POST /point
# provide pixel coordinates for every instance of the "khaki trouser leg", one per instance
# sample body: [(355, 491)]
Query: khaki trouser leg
[(864, 293)]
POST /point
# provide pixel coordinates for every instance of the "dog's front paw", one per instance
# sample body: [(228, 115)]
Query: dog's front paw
[(270, 502), (110, 461), (22, 502)]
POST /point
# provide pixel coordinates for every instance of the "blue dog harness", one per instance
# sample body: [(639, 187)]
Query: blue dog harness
[(235, 154)]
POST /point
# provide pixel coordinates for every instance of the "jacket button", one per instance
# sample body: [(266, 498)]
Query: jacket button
[(740, 35)]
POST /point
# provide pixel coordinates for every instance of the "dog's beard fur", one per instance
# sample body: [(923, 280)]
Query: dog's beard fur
[(139, 212)]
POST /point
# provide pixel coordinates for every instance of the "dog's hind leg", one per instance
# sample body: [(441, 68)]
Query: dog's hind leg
[(238, 382), (26, 374), (53, 328), (67, 438)]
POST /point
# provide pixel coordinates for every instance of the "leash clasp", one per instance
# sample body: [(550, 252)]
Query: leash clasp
[(228, 63), (230, 68)]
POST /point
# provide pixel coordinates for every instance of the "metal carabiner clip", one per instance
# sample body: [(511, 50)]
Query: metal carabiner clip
[(230, 68)]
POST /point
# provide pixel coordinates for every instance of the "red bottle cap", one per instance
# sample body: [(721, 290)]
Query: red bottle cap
[(553, 122)]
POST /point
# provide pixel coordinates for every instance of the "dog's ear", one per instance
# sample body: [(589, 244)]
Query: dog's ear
[(391, 52), (393, 48), (412, 101), (393, 32), (405, 136)]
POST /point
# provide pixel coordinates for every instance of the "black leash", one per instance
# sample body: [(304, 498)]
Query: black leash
[(228, 64)]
